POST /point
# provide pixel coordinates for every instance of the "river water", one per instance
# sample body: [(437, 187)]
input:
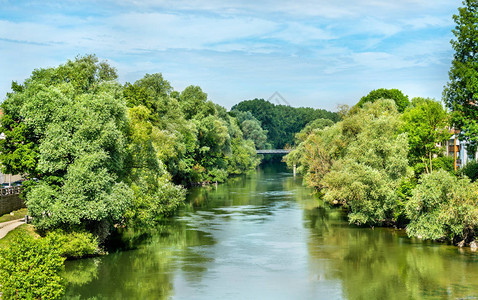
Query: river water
[(265, 236)]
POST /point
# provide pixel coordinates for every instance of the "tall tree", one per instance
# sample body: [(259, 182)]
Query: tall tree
[(426, 123), (282, 122), (366, 176), (76, 121), (461, 92), (252, 129), (401, 101)]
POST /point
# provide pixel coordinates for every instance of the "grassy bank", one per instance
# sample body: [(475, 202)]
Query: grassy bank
[(14, 215)]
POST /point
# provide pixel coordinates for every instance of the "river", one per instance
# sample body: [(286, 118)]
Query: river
[(265, 236)]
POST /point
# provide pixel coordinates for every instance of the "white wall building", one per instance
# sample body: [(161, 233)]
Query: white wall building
[(462, 156)]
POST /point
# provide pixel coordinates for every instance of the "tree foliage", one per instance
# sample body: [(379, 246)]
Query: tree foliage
[(282, 122), (252, 129), (367, 175), (312, 155), (317, 124), (76, 119), (443, 207), (358, 163), (461, 92), (470, 170), (426, 123), (396, 95), (30, 269), (109, 154)]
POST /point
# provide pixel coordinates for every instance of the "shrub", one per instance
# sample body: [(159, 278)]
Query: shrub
[(368, 173), (444, 163), (150, 205), (443, 207), (30, 268), (75, 244), (470, 170), (439, 163)]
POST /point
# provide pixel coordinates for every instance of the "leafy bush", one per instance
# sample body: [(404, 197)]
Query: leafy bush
[(75, 244), (439, 163), (444, 163), (151, 205), (30, 268), (470, 170), (366, 176), (404, 193), (443, 207)]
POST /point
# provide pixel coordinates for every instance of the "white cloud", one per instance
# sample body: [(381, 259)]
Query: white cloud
[(428, 21), (315, 49), (297, 33), (304, 8)]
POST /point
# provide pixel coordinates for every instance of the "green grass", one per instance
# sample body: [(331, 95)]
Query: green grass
[(27, 228), (14, 215)]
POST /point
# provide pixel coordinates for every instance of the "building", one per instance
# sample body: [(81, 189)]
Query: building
[(462, 156)]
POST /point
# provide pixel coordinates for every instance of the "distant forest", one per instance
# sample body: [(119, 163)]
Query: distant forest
[(282, 122)]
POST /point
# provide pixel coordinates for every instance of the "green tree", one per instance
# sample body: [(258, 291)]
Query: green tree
[(183, 135), (76, 118), (194, 103), (311, 155), (396, 95), (30, 269), (358, 162), (252, 129), (426, 123), (366, 177), (282, 122), (154, 195), (443, 207), (156, 85), (461, 92), (311, 126), (470, 170)]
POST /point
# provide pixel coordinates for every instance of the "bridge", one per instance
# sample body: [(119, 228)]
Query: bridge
[(274, 151)]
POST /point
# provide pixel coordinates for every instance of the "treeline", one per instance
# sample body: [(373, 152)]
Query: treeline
[(385, 160), (107, 155), (100, 156), (282, 122), (388, 168)]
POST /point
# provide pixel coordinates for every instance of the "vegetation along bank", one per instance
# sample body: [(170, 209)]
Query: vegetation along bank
[(105, 157), (386, 161)]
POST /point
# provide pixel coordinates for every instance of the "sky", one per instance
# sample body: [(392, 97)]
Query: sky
[(320, 54)]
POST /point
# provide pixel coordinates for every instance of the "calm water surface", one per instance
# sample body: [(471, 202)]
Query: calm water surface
[(264, 236)]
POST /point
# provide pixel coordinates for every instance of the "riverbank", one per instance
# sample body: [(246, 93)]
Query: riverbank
[(266, 236)]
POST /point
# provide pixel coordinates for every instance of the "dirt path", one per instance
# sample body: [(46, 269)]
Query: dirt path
[(6, 227)]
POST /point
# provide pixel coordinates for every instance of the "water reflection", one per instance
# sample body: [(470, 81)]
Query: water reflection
[(143, 273), (385, 264), (266, 237)]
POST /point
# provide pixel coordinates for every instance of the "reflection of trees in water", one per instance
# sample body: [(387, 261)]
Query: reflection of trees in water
[(148, 271), (144, 273), (368, 264), (385, 264), (254, 189)]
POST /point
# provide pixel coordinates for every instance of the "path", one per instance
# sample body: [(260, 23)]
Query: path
[(6, 227)]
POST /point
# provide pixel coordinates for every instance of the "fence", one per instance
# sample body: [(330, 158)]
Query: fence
[(10, 200)]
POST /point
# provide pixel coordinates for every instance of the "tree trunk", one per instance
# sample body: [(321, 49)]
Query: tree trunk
[(426, 165), (430, 156)]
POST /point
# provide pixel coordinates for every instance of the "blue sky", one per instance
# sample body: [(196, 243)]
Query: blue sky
[(318, 53)]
